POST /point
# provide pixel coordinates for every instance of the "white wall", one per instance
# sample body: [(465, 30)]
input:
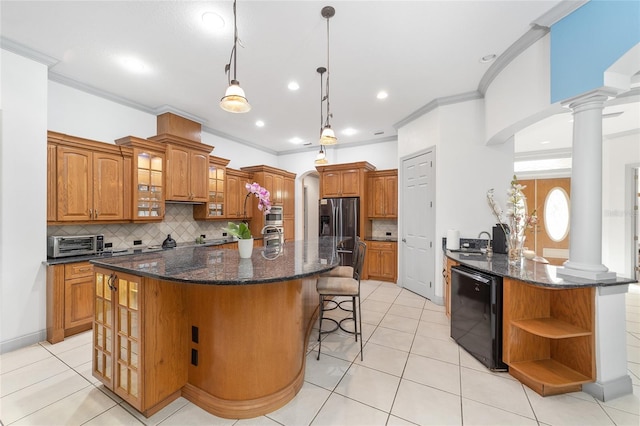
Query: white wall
[(23, 196), (620, 154), (465, 169), (520, 94)]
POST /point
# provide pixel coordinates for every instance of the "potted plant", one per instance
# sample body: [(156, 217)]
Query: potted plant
[(241, 230)]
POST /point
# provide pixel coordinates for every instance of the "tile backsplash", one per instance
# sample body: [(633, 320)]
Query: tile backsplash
[(379, 228), (178, 222)]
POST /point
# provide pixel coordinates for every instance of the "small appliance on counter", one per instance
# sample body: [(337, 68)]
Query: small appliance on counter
[(169, 242), (67, 245), (499, 242)]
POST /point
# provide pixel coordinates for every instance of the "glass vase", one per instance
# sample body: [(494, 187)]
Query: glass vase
[(515, 241)]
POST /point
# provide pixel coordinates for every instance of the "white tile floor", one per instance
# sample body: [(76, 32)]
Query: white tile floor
[(412, 373)]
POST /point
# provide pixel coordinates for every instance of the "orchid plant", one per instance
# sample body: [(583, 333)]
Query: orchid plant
[(516, 211), (241, 230)]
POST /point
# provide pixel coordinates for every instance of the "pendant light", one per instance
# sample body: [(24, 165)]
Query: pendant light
[(328, 137), (321, 158), (234, 99)]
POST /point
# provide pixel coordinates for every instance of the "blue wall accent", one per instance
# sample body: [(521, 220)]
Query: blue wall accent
[(588, 41)]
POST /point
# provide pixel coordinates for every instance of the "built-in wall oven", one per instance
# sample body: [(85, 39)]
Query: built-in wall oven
[(476, 315), (274, 217)]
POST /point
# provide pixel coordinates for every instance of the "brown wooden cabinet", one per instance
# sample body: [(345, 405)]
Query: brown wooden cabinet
[(382, 260), (446, 279), (382, 194), (92, 180), (187, 168), (238, 205), (281, 186), (139, 349), (215, 207), (341, 183), (147, 179), (549, 336), (69, 300)]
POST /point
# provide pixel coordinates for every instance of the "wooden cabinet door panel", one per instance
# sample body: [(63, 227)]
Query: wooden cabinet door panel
[(331, 184), (350, 183), (388, 263), (74, 187), (391, 196), (377, 197), (78, 302), (108, 185), (278, 189), (289, 229), (52, 194), (178, 174), (199, 169)]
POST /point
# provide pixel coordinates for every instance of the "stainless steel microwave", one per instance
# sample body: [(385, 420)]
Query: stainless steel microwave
[(62, 246), (274, 217)]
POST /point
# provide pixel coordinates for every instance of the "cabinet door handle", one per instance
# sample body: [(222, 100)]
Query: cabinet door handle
[(90, 213), (96, 214), (112, 278)]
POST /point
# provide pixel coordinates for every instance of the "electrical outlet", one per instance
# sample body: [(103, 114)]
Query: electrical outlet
[(388, 234), (203, 236), (224, 234), (137, 242), (108, 245)]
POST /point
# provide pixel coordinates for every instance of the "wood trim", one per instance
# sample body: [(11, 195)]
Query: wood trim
[(55, 303), (173, 124), (268, 169), (346, 166), (168, 139)]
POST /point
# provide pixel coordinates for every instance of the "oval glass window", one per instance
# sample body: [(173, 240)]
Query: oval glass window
[(556, 214)]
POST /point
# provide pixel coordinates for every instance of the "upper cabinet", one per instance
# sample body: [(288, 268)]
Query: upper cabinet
[(382, 194), (92, 180), (187, 159), (343, 180), (187, 168), (215, 207), (147, 179), (239, 206)]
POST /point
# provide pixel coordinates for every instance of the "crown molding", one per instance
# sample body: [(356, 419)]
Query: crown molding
[(238, 140), (342, 145), (22, 50), (438, 102), (558, 12)]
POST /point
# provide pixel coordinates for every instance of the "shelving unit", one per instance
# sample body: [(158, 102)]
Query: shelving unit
[(548, 336)]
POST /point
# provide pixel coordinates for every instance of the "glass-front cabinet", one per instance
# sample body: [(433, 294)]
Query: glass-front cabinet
[(215, 207), (148, 179)]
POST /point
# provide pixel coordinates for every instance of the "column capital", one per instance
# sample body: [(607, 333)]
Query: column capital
[(600, 95)]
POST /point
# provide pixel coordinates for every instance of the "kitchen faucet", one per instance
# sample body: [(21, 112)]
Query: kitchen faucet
[(489, 249)]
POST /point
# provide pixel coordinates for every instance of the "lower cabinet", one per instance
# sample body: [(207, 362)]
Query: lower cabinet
[(137, 339), (446, 280), (382, 260), (69, 300)]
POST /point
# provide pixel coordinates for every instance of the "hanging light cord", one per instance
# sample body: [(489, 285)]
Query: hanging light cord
[(234, 53), (328, 74)]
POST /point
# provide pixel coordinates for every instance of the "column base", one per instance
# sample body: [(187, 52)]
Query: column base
[(588, 275), (609, 390)]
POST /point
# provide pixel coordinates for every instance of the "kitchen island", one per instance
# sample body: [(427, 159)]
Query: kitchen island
[(228, 334), (558, 335)]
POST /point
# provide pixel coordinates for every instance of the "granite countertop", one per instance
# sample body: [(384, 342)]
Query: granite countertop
[(384, 239), (211, 265), (536, 273)]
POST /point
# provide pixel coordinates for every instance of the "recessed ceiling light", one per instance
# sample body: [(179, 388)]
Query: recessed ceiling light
[(296, 140), (293, 86), (260, 123), (212, 21), (382, 95), (134, 65), (545, 142), (349, 131), (488, 58)]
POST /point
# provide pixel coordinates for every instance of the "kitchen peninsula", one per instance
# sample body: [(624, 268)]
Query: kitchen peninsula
[(228, 334), (549, 323)]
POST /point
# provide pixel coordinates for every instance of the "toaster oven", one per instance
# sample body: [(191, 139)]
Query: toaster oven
[(62, 246)]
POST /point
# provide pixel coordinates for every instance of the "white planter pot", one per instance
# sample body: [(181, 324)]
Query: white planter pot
[(245, 248)]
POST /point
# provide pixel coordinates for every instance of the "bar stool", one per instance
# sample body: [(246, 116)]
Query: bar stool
[(344, 270), (329, 287)]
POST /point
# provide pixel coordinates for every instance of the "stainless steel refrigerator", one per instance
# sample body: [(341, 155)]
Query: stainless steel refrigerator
[(339, 217)]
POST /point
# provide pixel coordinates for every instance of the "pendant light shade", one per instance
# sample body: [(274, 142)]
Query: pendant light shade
[(327, 136), (234, 99), (321, 158)]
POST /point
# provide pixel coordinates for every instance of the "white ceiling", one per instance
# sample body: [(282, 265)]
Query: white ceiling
[(417, 51)]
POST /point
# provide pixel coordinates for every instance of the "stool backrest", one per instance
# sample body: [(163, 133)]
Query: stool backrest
[(359, 251)]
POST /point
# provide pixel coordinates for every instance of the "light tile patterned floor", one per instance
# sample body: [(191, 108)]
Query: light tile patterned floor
[(412, 373)]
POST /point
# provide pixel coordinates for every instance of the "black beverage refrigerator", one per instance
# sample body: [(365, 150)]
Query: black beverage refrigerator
[(339, 217)]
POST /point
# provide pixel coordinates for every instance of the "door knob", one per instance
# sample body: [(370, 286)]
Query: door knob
[(404, 240)]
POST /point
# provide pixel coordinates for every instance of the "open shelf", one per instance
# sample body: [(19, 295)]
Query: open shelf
[(551, 328), (548, 376)]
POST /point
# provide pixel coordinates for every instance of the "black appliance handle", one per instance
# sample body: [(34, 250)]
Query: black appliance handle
[(474, 277)]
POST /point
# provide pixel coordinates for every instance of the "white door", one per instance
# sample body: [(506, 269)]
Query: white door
[(418, 225)]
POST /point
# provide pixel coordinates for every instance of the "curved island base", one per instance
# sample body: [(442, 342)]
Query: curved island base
[(184, 323)]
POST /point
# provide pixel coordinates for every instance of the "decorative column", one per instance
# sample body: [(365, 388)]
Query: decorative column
[(585, 247)]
